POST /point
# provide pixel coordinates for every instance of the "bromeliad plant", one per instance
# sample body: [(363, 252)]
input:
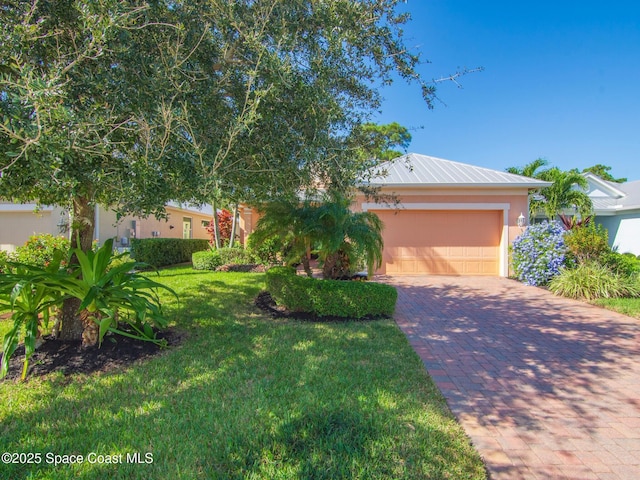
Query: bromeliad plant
[(113, 293), (110, 293), (24, 293)]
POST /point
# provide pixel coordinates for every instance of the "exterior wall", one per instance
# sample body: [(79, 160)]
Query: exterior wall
[(624, 231), (517, 200), (19, 222), (511, 202)]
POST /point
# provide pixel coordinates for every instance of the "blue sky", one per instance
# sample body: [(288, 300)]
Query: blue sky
[(561, 81)]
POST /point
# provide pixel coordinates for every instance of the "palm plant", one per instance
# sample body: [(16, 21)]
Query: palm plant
[(292, 225), (341, 238), (562, 194), (346, 237)]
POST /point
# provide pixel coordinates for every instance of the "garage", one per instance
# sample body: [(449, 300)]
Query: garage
[(441, 242)]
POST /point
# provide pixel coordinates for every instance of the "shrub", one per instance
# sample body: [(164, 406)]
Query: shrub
[(235, 256), (4, 258), (327, 298), (39, 249), (591, 280), (267, 251), (160, 252), (590, 242), (539, 253), (206, 260), (626, 264)]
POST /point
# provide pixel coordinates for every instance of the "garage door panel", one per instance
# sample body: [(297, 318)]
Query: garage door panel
[(441, 242)]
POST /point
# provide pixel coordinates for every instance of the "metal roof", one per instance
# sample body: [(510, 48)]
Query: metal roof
[(630, 200), (414, 169)]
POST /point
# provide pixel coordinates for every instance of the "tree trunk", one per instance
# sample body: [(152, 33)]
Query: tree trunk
[(234, 226), (216, 224), (71, 326)]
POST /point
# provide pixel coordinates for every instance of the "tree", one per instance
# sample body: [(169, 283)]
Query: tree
[(347, 240), (343, 240), (566, 191), (130, 105), (603, 172), (531, 170)]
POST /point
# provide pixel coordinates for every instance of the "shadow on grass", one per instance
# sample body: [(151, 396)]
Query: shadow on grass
[(243, 397)]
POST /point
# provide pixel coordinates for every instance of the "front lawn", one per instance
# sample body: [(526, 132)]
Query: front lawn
[(244, 396), (626, 306)]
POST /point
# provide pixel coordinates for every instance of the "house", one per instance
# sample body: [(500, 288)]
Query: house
[(617, 207), (451, 218), (19, 221)]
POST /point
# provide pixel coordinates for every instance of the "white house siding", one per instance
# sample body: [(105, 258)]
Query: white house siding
[(624, 231)]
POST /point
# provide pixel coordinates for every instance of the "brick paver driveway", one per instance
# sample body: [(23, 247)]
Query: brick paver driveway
[(545, 387)]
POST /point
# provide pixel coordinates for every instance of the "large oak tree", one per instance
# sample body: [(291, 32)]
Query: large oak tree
[(130, 104)]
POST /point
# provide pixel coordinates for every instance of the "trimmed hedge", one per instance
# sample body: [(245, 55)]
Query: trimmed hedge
[(160, 252), (235, 256), (330, 298), (206, 260)]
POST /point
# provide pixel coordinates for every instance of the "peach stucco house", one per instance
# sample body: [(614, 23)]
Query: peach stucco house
[(19, 221), (452, 218)]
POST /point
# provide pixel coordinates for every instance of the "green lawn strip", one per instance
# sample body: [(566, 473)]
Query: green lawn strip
[(626, 306), (245, 396)]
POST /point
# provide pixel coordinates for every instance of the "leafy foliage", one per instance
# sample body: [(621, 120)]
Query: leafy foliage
[(539, 253), (333, 298), (603, 172), (225, 223), (235, 256), (587, 243), (31, 302), (344, 241), (267, 250), (39, 250), (160, 252), (625, 264), (109, 294), (206, 260), (591, 280), (566, 191), (347, 241)]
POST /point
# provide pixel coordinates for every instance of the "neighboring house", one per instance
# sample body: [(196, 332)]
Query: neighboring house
[(452, 218), (617, 208), (19, 221)]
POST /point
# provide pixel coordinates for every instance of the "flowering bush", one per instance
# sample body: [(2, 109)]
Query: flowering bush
[(39, 249), (539, 253)]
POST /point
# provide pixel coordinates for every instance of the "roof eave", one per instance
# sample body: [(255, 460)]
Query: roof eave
[(462, 185)]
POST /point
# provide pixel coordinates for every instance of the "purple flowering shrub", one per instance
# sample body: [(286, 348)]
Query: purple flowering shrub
[(538, 253)]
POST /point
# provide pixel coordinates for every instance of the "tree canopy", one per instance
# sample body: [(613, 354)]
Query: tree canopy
[(132, 104), (566, 191), (603, 172)]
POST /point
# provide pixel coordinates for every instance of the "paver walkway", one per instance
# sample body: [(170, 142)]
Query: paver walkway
[(545, 387)]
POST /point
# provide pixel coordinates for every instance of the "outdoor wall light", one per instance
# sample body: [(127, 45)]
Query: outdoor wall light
[(521, 220), (63, 223)]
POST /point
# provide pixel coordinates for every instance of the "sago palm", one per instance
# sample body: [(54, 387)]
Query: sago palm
[(346, 237)]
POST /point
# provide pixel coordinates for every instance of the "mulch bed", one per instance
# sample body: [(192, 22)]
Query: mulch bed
[(69, 357)]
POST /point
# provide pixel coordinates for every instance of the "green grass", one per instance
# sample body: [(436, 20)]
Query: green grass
[(245, 396), (626, 306)]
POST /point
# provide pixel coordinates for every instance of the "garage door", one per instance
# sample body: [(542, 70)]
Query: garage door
[(441, 242)]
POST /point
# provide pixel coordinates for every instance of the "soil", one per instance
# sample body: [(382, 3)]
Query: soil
[(69, 357), (117, 351)]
